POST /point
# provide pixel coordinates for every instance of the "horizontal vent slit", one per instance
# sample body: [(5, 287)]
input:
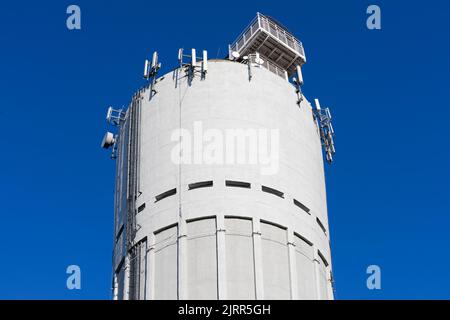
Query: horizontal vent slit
[(301, 206), (165, 194), (273, 191), (303, 239), (239, 184), (202, 184)]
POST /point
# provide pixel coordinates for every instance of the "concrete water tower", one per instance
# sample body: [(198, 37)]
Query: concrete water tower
[(220, 189)]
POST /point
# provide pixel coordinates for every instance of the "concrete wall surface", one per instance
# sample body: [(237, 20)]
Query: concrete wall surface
[(265, 237)]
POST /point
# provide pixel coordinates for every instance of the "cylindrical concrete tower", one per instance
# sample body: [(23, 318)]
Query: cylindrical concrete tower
[(220, 190)]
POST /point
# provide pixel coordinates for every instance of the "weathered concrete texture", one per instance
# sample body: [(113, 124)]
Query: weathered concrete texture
[(224, 242)]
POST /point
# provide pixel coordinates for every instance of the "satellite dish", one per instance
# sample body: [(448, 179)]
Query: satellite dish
[(259, 61), (235, 54), (108, 114), (108, 140)]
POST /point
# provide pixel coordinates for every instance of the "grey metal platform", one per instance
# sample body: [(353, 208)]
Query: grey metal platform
[(277, 46)]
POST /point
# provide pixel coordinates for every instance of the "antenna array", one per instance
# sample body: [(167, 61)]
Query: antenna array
[(298, 81), (326, 130), (151, 71), (192, 66), (114, 117)]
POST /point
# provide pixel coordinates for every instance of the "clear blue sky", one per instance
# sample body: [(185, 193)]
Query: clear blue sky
[(388, 190)]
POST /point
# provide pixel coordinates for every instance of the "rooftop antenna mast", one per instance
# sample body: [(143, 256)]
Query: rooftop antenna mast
[(298, 81), (195, 64), (323, 117), (151, 72)]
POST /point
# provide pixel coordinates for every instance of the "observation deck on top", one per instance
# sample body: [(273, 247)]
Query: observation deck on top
[(279, 49)]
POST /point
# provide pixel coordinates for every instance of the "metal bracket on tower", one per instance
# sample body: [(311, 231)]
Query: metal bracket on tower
[(114, 148), (326, 130), (245, 60), (151, 72), (252, 60), (192, 67), (115, 116), (332, 282)]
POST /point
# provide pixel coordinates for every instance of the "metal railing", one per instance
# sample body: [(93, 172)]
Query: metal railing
[(269, 26), (269, 65)]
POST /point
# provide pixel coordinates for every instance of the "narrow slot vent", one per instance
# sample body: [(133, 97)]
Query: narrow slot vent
[(166, 194), (301, 206), (202, 184), (119, 233), (322, 257), (141, 207), (273, 191), (321, 225), (309, 243), (238, 184)]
